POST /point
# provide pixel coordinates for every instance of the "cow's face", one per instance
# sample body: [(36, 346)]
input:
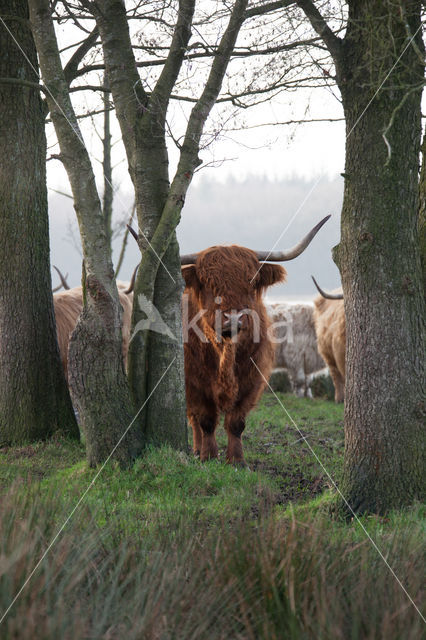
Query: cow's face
[(228, 283)]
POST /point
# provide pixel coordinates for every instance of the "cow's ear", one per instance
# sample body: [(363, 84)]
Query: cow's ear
[(270, 274), (189, 274)]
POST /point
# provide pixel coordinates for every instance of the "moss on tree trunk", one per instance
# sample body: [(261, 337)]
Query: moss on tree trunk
[(34, 398), (379, 259)]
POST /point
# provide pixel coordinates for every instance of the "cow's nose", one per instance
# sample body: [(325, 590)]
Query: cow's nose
[(232, 321)]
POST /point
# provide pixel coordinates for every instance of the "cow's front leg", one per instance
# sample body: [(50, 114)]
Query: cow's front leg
[(208, 441), (234, 426), (197, 435), (203, 433), (203, 416)]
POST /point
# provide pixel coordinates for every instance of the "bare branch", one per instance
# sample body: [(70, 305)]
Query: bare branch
[(23, 83), (318, 22), (173, 63), (211, 91), (270, 7), (71, 67)]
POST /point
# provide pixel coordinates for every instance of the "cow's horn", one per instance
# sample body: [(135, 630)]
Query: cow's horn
[(329, 296), (290, 254), (133, 232), (132, 280), (63, 280), (189, 258)]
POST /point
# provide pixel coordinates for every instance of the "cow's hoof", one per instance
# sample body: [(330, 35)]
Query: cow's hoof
[(205, 457), (239, 464)]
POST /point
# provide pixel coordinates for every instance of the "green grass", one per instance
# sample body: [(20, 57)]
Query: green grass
[(161, 490), (174, 548), (166, 486), (39, 460)]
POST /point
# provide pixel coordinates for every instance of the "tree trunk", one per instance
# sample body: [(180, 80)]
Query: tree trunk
[(422, 212), (151, 354), (108, 195), (34, 398), (379, 259), (96, 374), (166, 414), (159, 204)]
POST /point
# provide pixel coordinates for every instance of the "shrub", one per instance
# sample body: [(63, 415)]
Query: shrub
[(322, 387), (279, 381)]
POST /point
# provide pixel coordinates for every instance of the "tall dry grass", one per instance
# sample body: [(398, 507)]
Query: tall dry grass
[(245, 581)]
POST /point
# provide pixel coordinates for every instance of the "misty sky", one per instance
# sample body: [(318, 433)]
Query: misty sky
[(258, 177), (253, 184), (252, 213)]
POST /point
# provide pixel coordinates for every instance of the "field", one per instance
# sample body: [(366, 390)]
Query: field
[(174, 548)]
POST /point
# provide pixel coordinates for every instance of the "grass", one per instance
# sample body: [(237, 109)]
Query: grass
[(174, 548)]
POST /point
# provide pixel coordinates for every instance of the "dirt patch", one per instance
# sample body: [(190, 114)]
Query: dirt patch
[(22, 452), (293, 484)]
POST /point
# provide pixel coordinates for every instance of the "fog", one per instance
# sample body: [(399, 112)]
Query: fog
[(256, 213)]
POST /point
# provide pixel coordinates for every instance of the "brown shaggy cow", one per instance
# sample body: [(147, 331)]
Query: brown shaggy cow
[(224, 374), (229, 354), (330, 327), (68, 306)]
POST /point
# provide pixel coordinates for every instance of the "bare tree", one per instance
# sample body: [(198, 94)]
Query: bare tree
[(142, 118), (96, 375), (34, 399), (379, 70), (276, 53)]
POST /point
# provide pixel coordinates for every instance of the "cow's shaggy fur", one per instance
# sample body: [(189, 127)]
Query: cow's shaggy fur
[(225, 376), (330, 326), (296, 349), (68, 306)]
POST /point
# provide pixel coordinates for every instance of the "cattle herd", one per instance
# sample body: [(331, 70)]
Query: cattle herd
[(232, 339)]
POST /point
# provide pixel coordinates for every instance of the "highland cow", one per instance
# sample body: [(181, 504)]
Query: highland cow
[(229, 351), (68, 306), (330, 327)]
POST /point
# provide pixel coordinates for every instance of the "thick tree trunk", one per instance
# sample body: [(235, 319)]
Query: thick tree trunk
[(379, 260), (159, 349), (96, 375), (422, 212), (34, 398)]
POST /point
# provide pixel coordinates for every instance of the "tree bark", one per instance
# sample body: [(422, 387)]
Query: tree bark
[(108, 195), (380, 76), (34, 398), (422, 211), (143, 131), (96, 375)]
